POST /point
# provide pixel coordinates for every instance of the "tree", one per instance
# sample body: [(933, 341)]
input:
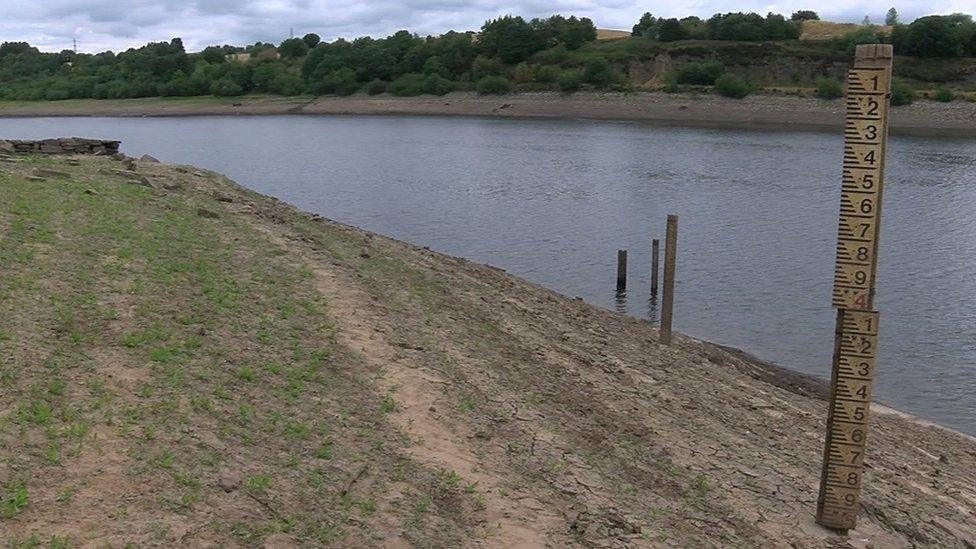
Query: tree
[(737, 26), (12, 48), (778, 28), (670, 30), (311, 40), (866, 20), (891, 18), (576, 32), (598, 71), (804, 15), (213, 54), (695, 28), (936, 36), (293, 48), (511, 39), (646, 27)]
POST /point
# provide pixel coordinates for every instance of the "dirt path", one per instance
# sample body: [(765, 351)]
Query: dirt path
[(415, 391)]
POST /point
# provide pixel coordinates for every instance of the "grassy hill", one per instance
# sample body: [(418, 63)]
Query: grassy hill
[(187, 363)]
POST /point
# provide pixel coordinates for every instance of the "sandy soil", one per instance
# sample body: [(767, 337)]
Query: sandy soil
[(777, 112), (571, 424)]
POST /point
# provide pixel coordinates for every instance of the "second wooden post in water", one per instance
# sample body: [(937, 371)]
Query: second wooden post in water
[(655, 246), (670, 251)]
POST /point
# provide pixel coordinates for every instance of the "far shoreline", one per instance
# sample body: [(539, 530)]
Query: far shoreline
[(766, 112)]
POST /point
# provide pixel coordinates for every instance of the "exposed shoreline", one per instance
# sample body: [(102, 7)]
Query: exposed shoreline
[(761, 112), (239, 332)]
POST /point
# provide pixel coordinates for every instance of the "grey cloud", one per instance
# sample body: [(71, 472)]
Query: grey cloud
[(101, 24)]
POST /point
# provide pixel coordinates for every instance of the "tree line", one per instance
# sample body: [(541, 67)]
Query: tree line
[(543, 53)]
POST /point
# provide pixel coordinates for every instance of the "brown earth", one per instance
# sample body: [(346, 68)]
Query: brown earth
[(512, 416), (772, 112)]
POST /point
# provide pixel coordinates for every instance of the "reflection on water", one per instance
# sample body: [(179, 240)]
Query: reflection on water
[(552, 200)]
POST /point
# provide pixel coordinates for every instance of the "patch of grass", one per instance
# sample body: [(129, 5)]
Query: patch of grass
[(13, 498), (257, 482), (388, 404)]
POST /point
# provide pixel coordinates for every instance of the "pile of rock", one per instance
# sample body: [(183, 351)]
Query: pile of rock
[(64, 145)]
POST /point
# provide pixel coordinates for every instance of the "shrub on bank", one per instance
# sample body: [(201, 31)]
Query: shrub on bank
[(493, 85), (376, 87), (829, 88), (598, 72), (340, 82), (901, 93), (547, 74), (438, 85), (225, 88), (409, 84), (699, 74), (731, 85), (944, 95), (570, 81)]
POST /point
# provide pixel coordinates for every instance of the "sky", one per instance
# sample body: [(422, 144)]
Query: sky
[(100, 25)]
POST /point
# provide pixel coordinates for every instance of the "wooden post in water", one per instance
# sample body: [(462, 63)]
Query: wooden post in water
[(621, 270), (856, 332), (670, 251), (655, 246)]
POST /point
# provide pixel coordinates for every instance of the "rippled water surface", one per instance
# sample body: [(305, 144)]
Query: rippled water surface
[(552, 201)]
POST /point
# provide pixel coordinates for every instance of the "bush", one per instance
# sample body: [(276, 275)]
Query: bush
[(436, 84), (700, 74), (376, 87), (944, 95), (494, 85), (598, 72), (570, 81), (340, 82), (547, 73), (901, 93), (829, 88), (225, 88), (731, 85), (524, 73), (408, 85)]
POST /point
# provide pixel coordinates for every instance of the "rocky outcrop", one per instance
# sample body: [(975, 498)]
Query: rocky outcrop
[(63, 145)]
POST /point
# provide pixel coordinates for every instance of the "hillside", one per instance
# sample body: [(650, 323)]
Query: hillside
[(187, 363)]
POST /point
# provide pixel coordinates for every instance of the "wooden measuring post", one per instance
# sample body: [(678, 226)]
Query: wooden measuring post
[(621, 270), (856, 331), (655, 248), (670, 250)]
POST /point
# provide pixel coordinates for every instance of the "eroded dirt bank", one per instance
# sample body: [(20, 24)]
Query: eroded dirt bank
[(760, 111), (186, 362)]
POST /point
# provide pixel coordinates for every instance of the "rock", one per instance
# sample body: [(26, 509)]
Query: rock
[(118, 156), (141, 181), (34, 178), (149, 159), (230, 480), (173, 186), (210, 214), (280, 541), (91, 191), (7, 146), (129, 164), (222, 197), (72, 162), (45, 172)]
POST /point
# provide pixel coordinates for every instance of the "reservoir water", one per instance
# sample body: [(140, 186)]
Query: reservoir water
[(552, 201)]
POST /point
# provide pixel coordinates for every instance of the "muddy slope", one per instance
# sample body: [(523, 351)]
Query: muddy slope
[(476, 409)]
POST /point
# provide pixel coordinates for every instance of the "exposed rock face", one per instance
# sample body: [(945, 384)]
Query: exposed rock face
[(63, 145)]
